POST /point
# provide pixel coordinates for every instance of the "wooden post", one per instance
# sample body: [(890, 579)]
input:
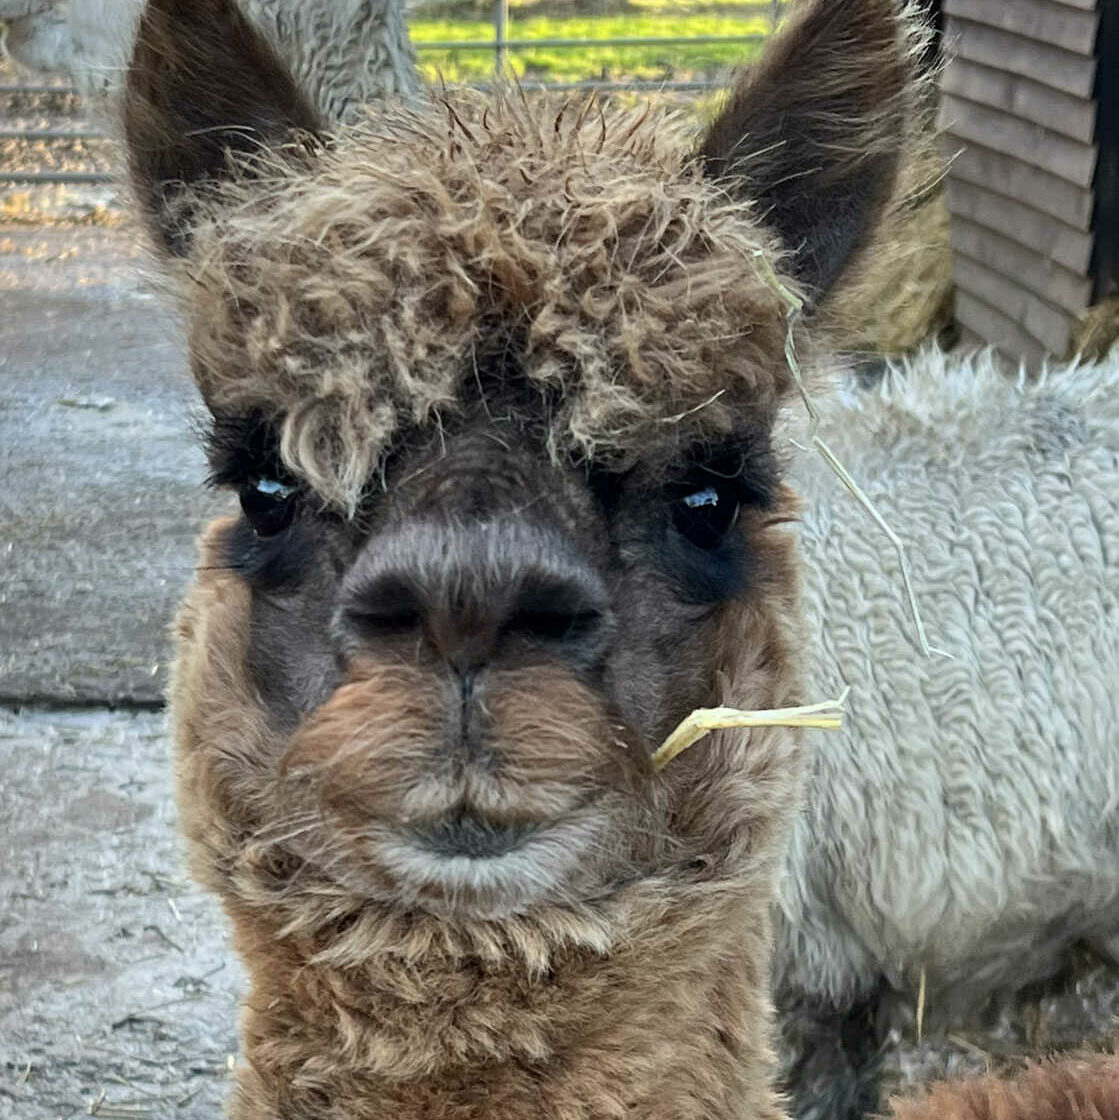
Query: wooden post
[(1020, 95), (1105, 265), (501, 33)]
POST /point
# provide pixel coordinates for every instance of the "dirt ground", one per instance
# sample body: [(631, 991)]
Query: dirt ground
[(118, 991), (101, 494), (117, 988)]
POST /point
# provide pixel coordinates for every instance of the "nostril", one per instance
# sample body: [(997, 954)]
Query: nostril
[(555, 626), (388, 605), (471, 596), (557, 610)]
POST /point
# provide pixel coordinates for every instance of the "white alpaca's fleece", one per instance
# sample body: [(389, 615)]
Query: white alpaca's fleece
[(346, 52), (966, 820)]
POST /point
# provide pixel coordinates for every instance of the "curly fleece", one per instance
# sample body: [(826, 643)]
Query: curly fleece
[(970, 806), (356, 293)]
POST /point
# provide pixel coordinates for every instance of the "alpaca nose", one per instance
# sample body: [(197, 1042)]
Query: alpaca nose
[(476, 594)]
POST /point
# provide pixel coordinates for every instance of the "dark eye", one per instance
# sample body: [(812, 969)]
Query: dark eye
[(706, 515), (268, 506)]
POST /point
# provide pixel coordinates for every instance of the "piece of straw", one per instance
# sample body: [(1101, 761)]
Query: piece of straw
[(795, 310), (827, 715), (921, 993)]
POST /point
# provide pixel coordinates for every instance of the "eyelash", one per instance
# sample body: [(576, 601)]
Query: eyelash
[(242, 451)]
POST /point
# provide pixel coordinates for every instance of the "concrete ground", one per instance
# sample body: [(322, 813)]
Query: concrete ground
[(100, 498), (117, 987)]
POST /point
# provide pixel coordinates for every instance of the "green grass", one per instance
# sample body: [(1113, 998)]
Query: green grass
[(604, 9), (679, 61)]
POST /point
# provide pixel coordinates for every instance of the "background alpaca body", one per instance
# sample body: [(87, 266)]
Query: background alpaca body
[(345, 52), (1075, 1089), (37, 35), (966, 819)]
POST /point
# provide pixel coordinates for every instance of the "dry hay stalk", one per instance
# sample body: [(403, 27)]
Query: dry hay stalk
[(827, 715), (795, 310)]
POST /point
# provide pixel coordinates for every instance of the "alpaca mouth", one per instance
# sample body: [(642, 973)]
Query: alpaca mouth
[(468, 866), (474, 837)]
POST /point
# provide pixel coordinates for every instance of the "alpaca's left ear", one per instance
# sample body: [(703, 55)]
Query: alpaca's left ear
[(815, 131), (203, 88)]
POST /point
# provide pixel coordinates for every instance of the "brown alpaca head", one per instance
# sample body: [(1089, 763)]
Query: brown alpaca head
[(496, 386)]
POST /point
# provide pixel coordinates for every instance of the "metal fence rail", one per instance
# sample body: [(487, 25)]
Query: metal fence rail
[(18, 176), (46, 134), (501, 45), (54, 178), (37, 90)]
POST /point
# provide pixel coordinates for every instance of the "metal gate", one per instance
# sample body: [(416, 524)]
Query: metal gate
[(45, 139)]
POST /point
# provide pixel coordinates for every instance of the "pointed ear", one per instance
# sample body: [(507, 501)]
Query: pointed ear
[(203, 88), (816, 130)]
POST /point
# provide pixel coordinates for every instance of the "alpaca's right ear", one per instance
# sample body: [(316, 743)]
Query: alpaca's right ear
[(203, 87)]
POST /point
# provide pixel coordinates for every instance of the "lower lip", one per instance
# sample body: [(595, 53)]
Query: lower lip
[(503, 845), (543, 858)]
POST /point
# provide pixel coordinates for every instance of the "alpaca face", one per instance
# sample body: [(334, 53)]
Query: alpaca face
[(495, 386), (465, 678)]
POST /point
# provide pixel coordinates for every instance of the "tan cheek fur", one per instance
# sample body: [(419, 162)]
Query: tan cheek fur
[(381, 738)]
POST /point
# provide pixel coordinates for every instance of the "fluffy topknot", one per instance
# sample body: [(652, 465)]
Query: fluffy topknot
[(606, 261), (356, 294)]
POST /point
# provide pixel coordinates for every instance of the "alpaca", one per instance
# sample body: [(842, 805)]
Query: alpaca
[(345, 52), (964, 823), (496, 386), (34, 32), (1074, 1089)]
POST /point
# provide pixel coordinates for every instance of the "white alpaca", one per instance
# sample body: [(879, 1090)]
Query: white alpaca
[(36, 35), (965, 822), (347, 52)]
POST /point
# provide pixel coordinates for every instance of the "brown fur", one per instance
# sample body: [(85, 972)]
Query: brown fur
[(901, 294), (169, 138), (1073, 1089), (350, 299), (531, 326), (840, 70), (375, 752), (648, 1001), (351, 302)]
